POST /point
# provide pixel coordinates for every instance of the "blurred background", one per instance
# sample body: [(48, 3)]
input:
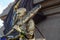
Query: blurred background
[(3, 5)]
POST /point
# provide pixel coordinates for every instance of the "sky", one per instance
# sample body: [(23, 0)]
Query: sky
[(3, 5)]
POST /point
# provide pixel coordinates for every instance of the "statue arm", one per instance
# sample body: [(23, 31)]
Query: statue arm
[(30, 29)]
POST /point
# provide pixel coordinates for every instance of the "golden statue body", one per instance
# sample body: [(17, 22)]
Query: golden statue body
[(28, 28), (24, 23)]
